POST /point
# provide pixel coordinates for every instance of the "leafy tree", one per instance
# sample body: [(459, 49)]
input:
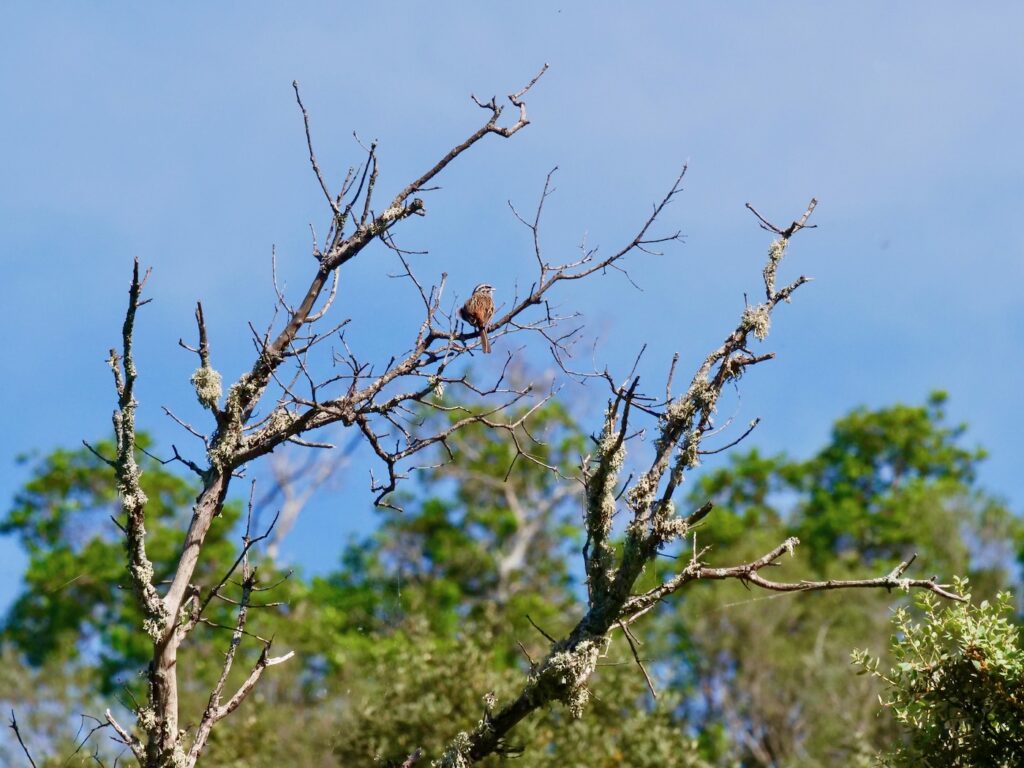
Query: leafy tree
[(957, 687), (390, 692), (75, 601), (889, 482), (495, 543), (771, 673), (756, 682), (442, 584), (55, 702)]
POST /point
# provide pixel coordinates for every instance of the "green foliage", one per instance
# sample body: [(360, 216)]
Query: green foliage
[(769, 670), (412, 688), (47, 700), (889, 482), (399, 647), (425, 618), (957, 687), (75, 599), (884, 470), (472, 546)]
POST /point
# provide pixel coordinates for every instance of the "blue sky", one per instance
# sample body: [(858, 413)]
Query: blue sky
[(172, 135)]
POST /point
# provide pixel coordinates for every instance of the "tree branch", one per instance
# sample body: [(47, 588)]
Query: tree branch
[(749, 573), (13, 725)]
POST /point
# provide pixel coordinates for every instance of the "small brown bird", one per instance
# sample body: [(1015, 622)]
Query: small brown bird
[(478, 311)]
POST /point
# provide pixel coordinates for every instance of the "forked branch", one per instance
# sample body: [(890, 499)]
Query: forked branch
[(749, 573), (653, 522), (365, 399)]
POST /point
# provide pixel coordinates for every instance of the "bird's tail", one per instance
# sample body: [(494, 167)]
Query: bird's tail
[(485, 343)]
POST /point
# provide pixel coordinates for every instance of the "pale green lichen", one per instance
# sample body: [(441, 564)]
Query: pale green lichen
[(669, 528), (612, 455), (611, 449), (757, 320), (563, 676), (146, 719), (179, 759), (701, 396), (438, 384), (208, 386), (678, 473), (392, 214), (154, 628), (241, 392), (641, 495), (133, 498), (689, 454), (456, 754), (140, 569), (150, 725), (567, 672), (280, 420), (231, 439), (681, 410), (775, 253), (128, 473)]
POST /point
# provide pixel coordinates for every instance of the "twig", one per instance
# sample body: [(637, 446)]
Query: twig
[(535, 626), (750, 428), (98, 727), (526, 653), (636, 657), (312, 154), (14, 727), (749, 573)]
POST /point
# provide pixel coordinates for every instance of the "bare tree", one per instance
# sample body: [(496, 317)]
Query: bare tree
[(652, 522), (382, 404)]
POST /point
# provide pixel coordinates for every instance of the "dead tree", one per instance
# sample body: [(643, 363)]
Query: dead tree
[(382, 404), (645, 506)]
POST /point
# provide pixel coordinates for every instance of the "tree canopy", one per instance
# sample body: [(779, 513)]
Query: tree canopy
[(481, 562)]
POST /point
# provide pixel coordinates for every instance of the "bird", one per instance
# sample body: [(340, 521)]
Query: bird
[(478, 311)]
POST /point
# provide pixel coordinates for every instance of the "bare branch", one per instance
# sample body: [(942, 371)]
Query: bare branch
[(750, 428), (328, 303), (13, 725), (246, 687), (636, 657), (127, 739), (700, 514), (98, 455), (133, 499), (204, 346), (215, 711), (683, 422), (249, 543), (185, 425), (749, 573), (100, 725), (491, 126), (312, 154)]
